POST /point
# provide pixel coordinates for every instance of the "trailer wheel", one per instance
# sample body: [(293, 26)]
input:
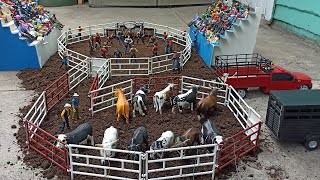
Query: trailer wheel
[(242, 92), (304, 87), (311, 144)]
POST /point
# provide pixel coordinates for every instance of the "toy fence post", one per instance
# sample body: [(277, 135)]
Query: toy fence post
[(27, 133), (150, 60)]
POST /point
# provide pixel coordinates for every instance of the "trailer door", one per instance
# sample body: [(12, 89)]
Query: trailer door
[(282, 81)]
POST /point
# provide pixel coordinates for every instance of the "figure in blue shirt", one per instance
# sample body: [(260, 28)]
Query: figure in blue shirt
[(75, 109)]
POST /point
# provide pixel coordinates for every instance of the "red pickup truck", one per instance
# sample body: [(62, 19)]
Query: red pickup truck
[(244, 71)]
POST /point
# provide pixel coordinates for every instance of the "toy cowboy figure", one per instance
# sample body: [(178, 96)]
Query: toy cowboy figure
[(128, 45), (91, 45), (155, 50), (165, 36), (152, 40), (109, 39), (140, 35), (104, 52), (118, 55), (120, 37), (79, 32), (75, 109), (98, 40), (169, 46), (64, 59), (65, 115), (133, 53)]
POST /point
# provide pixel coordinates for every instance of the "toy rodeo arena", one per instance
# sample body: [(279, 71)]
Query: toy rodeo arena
[(116, 76)]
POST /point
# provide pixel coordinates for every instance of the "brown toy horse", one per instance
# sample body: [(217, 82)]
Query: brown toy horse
[(122, 105)]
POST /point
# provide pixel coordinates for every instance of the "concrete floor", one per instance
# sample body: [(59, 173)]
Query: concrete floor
[(289, 160)]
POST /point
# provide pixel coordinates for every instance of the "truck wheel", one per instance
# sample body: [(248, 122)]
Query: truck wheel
[(303, 87), (242, 93), (311, 144)]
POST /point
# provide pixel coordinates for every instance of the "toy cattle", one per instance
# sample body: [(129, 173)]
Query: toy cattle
[(165, 141), (207, 104), (80, 135), (122, 105), (109, 141), (163, 96), (210, 134), (139, 101), (189, 138), (135, 144), (182, 100)]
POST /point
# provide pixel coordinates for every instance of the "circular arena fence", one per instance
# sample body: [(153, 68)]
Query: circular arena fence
[(89, 163)]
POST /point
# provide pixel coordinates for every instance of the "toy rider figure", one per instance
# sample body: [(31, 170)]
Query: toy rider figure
[(75, 109), (65, 115), (128, 45), (117, 55), (152, 40), (98, 40), (64, 59), (133, 53)]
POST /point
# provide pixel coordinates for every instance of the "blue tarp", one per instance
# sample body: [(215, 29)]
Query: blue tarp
[(16, 54), (204, 49)]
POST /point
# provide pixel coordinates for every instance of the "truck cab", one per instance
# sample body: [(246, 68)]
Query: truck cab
[(244, 71)]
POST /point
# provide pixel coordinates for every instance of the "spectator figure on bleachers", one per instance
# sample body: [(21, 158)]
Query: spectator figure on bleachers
[(97, 39), (118, 55), (64, 59), (128, 44), (24, 31)]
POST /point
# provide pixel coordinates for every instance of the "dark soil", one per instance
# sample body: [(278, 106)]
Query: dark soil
[(154, 122)]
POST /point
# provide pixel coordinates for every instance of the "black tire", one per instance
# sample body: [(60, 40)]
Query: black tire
[(242, 92), (311, 144)]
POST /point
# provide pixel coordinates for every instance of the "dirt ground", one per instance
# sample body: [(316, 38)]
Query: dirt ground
[(154, 122)]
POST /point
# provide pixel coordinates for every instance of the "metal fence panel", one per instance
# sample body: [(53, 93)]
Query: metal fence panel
[(129, 66), (104, 73), (106, 99), (78, 74), (182, 164), (89, 163), (56, 91)]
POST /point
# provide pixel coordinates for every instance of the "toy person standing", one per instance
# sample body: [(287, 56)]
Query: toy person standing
[(118, 55), (91, 45), (65, 115), (128, 45), (152, 40), (155, 50), (64, 59), (140, 35), (75, 109), (133, 53), (98, 40), (170, 46), (79, 32)]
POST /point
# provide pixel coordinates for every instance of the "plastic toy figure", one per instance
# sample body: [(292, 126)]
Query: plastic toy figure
[(118, 54), (64, 59), (140, 36), (155, 50), (104, 52), (109, 39), (91, 45), (65, 115), (165, 36), (98, 40), (120, 37), (169, 48), (152, 40), (79, 32), (133, 52), (75, 109), (128, 44)]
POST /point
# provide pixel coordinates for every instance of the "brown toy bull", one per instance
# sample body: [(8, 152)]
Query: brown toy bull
[(208, 104), (189, 138)]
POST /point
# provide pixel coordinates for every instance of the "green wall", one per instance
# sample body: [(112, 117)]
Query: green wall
[(57, 3), (301, 17)]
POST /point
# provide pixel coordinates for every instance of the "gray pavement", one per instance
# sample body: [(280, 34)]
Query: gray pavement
[(288, 160)]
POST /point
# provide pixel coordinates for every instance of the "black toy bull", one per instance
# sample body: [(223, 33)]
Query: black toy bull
[(135, 144), (210, 134), (139, 101), (182, 100), (80, 135)]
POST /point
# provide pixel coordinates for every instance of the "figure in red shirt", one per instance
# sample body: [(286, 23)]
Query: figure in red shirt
[(155, 50), (98, 40), (152, 40), (169, 46), (104, 52), (165, 36)]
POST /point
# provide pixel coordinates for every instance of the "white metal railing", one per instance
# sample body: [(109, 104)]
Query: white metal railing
[(161, 63), (78, 73), (106, 98), (104, 73), (37, 112), (245, 114), (129, 66), (174, 162), (204, 88), (90, 158)]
